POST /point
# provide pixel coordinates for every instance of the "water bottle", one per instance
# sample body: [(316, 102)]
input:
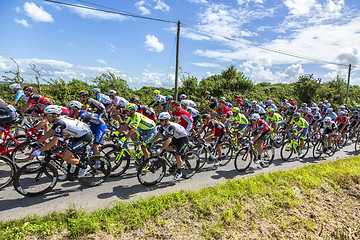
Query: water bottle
[(72, 168)]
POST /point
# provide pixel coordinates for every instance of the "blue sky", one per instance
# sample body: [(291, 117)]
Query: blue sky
[(70, 42)]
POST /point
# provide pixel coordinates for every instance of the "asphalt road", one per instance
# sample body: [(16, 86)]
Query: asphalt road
[(127, 188)]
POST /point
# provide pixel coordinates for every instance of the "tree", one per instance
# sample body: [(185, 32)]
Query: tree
[(307, 88)]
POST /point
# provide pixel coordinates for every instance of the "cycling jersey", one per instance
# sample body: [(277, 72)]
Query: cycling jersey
[(104, 99), (315, 116), (186, 119), (212, 102), (273, 106), (329, 127), (91, 119), (96, 106), (261, 126), (332, 115), (238, 101), (190, 103), (147, 112), (216, 127), (21, 94), (240, 118), (193, 112), (276, 118), (34, 98), (259, 109), (71, 126), (174, 130), (225, 110), (343, 110), (301, 123), (140, 121), (342, 119), (7, 113), (305, 110), (159, 99), (120, 102)]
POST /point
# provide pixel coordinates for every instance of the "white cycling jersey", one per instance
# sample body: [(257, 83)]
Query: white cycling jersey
[(71, 126), (174, 130), (189, 103), (160, 99), (193, 112), (120, 101)]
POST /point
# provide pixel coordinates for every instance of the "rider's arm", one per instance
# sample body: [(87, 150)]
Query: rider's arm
[(47, 135), (14, 102), (24, 108), (166, 144), (52, 143), (258, 136)]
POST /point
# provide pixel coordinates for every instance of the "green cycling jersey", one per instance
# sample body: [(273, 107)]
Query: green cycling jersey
[(301, 123), (140, 121)]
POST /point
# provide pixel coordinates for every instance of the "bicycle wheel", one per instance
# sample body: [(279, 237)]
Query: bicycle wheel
[(21, 154), (201, 152), (243, 159), (287, 150), (279, 140), (318, 149), (96, 176), (191, 162), (7, 171), (151, 171), (306, 147), (267, 156), (11, 144), (35, 178), (119, 160), (226, 153)]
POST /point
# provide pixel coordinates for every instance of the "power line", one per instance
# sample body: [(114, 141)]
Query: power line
[(113, 12)]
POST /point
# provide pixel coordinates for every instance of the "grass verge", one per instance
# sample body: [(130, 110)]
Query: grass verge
[(316, 201)]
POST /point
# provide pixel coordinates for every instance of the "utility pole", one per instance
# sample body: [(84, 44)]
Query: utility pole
[(348, 85), (177, 60)]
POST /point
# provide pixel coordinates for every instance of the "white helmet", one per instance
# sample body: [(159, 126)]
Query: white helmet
[(327, 119), (255, 116), (183, 102), (53, 109), (112, 93), (253, 103), (76, 104), (182, 96), (164, 115), (15, 86)]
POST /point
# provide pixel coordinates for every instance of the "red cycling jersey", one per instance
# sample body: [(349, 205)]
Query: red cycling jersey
[(344, 120), (227, 111), (261, 125), (216, 126), (185, 118)]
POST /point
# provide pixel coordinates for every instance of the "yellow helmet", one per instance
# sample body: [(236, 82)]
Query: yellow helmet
[(131, 106), (157, 92), (236, 110)]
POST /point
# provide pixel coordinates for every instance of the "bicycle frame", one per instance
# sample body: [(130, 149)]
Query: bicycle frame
[(7, 134)]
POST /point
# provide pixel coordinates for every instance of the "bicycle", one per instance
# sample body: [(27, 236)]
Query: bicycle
[(152, 170), (320, 147), (246, 155), (10, 143), (293, 146), (7, 171), (39, 177)]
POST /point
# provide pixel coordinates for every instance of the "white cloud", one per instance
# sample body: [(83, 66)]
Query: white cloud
[(37, 14), (300, 7), (142, 8), (153, 44), (17, 9), (22, 22), (160, 5), (240, 2), (101, 61), (293, 72), (349, 56), (92, 14), (112, 47), (198, 1), (208, 65)]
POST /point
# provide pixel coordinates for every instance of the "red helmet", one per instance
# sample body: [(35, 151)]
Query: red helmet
[(175, 104), (28, 89), (45, 101), (236, 96)]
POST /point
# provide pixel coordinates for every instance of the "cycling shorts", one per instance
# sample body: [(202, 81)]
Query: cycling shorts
[(221, 136), (341, 125), (242, 127), (304, 132), (98, 132), (149, 134), (265, 135), (179, 144), (76, 145)]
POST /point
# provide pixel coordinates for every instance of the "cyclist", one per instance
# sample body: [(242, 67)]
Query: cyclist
[(217, 130), (168, 99), (330, 113), (32, 102), (209, 102), (246, 105), (158, 101), (302, 127), (342, 109), (262, 131), (190, 103), (42, 103), (96, 106), (274, 119), (237, 101), (270, 104), (176, 137), (256, 108), (343, 123), (15, 89), (181, 116), (96, 123), (104, 99), (329, 130), (315, 118), (225, 111), (140, 126), (240, 122), (292, 103), (146, 111), (117, 105), (193, 112), (81, 137), (8, 115)]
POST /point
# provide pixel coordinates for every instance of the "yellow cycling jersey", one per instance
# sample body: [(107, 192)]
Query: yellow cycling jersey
[(140, 121), (240, 118), (302, 123), (275, 118)]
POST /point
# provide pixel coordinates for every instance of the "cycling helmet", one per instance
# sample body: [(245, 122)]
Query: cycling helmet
[(175, 104), (52, 109), (222, 101), (96, 90), (290, 99), (83, 93), (327, 119), (134, 100), (207, 92), (236, 96), (76, 104), (330, 110), (320, 102), (269, 101), (182, 102), (112, 93), (255, 116), (28, 89), (304, 104), (45, 101), (326, 101), (205, 116), (222, 98), (342, 107), (291, 108), (164, 116), (169, 97), (182, 96), (131, 106), (260, 103), (314, 105), (342, 113), (14, 86), (246, 100), (285, 100), (270, 110), (297, 115), (253, 103), (157, 92), (236, 110)]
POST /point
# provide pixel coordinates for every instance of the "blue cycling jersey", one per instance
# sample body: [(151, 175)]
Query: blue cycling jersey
[(20, 94)]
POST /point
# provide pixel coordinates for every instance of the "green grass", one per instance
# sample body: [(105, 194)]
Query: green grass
[(218, 210)]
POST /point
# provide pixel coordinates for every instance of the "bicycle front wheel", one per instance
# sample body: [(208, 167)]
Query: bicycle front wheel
[(318, 149), (287, 150), (243, 159), (267, 156), (7, 171), (119, 160), (226, 153), (99, 172), (191, 163), (35, 178), (151, 171)]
